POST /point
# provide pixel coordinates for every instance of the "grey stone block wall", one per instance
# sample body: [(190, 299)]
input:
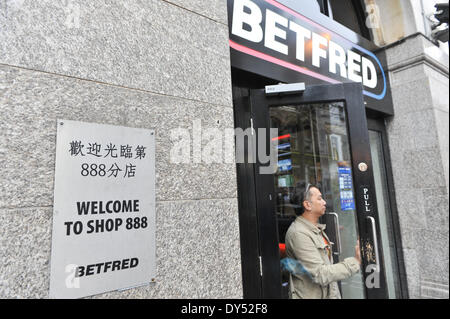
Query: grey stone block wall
[(418, 138), (148, 64)]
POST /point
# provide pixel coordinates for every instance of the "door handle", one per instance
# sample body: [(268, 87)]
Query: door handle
[(338, 233), (375, 241)]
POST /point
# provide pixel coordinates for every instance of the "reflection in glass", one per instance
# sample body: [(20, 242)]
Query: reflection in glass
[(384, 213), (313, 147)]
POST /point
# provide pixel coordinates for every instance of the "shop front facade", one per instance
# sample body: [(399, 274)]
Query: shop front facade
[(367, 120), (323, 140)]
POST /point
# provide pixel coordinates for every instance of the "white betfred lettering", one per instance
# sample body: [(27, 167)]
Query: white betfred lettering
[(337, 57), (302, 34), (247, 24), (369, 73), (252, 19), (317, 51), (272, 31), (353, 67)]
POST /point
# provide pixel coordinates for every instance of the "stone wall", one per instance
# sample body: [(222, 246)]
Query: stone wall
[(418, 138), (149, 64)]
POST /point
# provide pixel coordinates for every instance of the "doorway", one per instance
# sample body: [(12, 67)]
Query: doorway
[(322, 138), (314, 149)]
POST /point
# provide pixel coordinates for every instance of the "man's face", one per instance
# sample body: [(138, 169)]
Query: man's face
[(317, 205)]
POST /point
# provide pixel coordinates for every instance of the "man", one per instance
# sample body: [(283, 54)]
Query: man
[(307, 243)]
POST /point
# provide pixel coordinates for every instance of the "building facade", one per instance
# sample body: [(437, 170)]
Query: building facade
[(182, 64)]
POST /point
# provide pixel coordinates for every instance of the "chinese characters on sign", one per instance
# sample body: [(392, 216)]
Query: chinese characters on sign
[(103, 235), (110, 150)]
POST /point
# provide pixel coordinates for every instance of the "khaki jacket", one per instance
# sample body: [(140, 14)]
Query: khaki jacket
[(304, 243)]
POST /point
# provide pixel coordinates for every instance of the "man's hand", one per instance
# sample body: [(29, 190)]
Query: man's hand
[(358, 252)]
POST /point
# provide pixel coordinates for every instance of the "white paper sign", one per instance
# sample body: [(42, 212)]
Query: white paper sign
[(104, 209)]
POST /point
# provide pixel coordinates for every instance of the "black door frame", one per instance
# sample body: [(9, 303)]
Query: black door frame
[(248, 223), (263, 190)]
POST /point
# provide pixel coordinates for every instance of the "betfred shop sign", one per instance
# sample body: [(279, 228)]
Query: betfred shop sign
[(103, 236), (271, 32)]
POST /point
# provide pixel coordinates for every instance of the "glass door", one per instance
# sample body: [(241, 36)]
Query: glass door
[(319, 138), (387, 212), (384, 212), (314, 149)]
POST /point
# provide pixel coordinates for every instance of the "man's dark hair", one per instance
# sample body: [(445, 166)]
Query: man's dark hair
[(302, 192)]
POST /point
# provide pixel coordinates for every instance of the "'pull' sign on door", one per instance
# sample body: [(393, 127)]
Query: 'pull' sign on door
[(104, 209)]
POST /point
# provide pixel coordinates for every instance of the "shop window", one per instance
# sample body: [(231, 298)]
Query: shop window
[(350, 13), (322, 5), (313, 5)]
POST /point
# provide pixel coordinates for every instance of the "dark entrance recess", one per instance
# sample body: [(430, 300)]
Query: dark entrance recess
[(259, 223)]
